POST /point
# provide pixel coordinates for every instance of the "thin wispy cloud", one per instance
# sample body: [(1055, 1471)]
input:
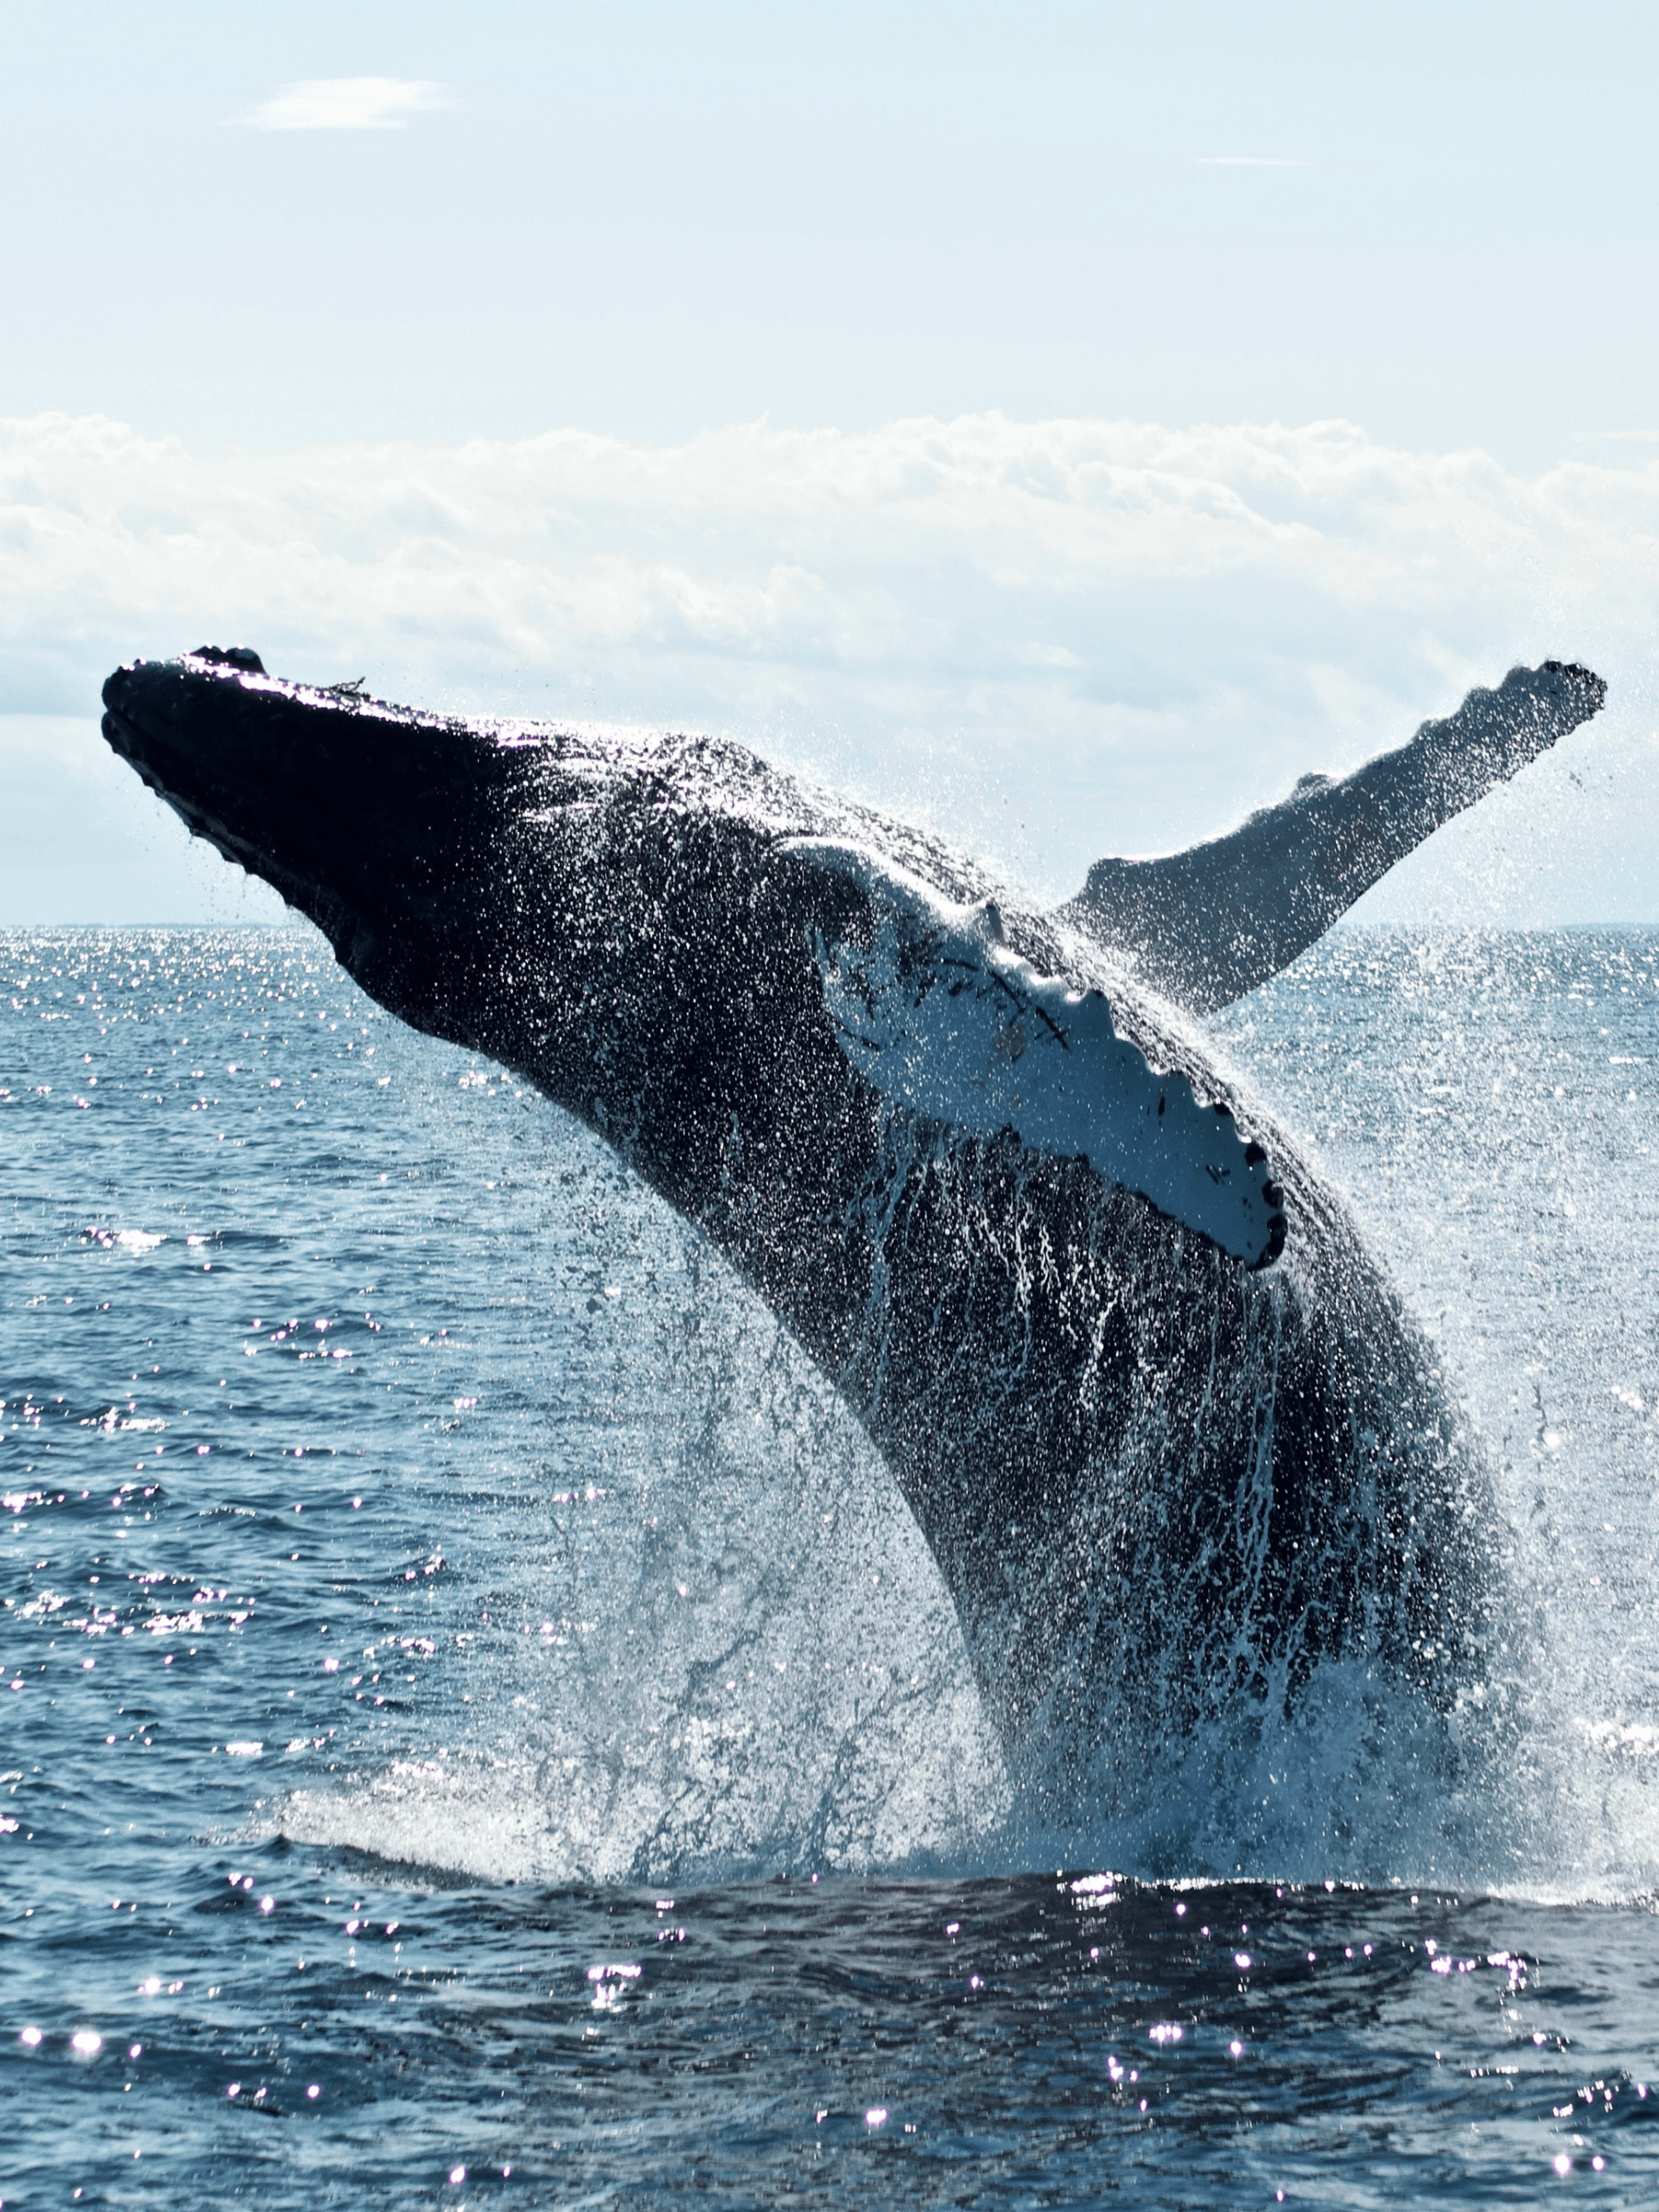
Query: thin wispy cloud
[(1249, 161), (350, 103)]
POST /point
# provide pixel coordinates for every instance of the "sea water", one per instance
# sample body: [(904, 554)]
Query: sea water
[(478, 1727)]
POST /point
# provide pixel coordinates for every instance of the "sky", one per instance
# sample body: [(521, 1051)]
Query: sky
[(1066, 424)]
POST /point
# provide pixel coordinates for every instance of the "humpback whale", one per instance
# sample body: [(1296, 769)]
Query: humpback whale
[(1172, 1435)]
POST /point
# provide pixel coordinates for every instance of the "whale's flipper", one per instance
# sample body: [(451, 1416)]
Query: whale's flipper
[(942, 1017), (1205, 925)]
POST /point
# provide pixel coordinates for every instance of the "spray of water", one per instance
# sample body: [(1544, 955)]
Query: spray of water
[(707, 1638)]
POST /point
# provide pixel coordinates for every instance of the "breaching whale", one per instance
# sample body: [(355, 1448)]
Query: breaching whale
[(1172, 1435)]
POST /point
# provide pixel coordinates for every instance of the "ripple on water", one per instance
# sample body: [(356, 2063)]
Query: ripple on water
[(398, 1466)]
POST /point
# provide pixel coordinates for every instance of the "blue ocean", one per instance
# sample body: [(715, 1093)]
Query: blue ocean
[(478, 1726)]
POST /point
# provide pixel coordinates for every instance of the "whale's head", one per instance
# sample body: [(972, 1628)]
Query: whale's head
[(379, 824), (642, 920)]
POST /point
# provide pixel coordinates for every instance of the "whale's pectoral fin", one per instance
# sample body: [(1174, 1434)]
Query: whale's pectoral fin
[(942, 1018), (1205, 925)]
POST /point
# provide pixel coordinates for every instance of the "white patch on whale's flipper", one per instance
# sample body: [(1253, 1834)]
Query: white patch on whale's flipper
[(943, 1018)]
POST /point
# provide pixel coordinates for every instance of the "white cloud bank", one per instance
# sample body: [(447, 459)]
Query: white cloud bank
[(349, 103), (1056, 639)]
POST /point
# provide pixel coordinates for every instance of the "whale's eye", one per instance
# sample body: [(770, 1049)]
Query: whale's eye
[(232, 656)]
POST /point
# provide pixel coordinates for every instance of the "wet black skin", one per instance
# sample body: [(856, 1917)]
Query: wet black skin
[(1148, 1474)]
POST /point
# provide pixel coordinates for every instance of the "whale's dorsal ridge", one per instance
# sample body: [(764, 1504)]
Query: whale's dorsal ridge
[(1207, 924)]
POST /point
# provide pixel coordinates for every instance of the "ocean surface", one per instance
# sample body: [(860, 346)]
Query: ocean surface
[(478, 1727)]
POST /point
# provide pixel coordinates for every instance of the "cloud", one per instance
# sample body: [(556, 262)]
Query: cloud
[(349, 103), (1053, 638)]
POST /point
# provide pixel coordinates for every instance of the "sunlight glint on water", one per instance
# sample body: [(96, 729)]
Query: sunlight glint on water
[(385, 1474)]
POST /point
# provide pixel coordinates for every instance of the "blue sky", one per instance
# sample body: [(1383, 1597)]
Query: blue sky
[(652, 220), (278, 244)]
